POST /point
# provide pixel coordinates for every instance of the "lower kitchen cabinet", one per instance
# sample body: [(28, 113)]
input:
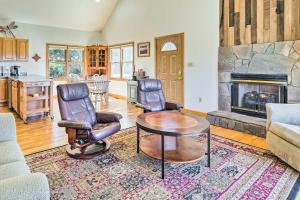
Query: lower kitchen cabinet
[(31, 99), (3, 91), (15, 96)]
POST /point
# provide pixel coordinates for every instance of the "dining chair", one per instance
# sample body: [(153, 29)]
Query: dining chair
[(100, 86), (74, 78)]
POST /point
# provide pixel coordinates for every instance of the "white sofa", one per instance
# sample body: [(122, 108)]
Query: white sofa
[(283, 132), (16, 181)]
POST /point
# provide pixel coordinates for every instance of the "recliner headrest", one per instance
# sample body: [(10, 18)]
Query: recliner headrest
[(71, 92), (148, 85)]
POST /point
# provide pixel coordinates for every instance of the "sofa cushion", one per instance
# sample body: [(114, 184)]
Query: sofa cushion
[(10, 152), (290, 133), (13, 169)]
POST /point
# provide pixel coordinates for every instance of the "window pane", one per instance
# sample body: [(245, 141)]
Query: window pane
[(57, 70), (115, 55), (169, 46), (127, 54), (115, 70), (127, 70), (76, 55), (57, 54), (76, 69)]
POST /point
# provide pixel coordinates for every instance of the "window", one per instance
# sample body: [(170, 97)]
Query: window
[(121, 62), (169, 46), (76, 61), (64, 60)]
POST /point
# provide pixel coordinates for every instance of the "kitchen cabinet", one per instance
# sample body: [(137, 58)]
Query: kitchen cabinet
[(1, 49), (22, 49), (31, 96), (4, 91), (97, 60), (12, 49), (9, 49), (15, 95)]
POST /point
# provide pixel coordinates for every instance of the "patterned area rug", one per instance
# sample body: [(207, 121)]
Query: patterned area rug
[(237, 172)]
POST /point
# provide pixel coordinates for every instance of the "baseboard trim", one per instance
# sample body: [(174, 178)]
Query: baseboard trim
[(201, 114), (117, 96)]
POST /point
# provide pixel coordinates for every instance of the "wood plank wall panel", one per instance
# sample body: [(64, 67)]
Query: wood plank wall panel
[(226, 23), (266, 20), (260, 17), (221, 24), (258, 21), (242, 21), (288, 19), (273, 21), (280, 20), (253, 21), (295, 20)]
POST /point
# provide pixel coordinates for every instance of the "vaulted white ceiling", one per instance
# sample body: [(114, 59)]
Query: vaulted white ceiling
[(87, 15)]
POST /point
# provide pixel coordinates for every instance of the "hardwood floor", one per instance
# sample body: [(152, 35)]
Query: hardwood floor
[(45, 134)]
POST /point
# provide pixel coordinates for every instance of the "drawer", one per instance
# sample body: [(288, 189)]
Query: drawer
[(37, 84)]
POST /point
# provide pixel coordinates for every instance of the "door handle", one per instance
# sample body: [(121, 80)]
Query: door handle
[(180, 75)]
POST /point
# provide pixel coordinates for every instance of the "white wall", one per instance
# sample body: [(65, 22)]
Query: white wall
[(40, 35), (143, 20)]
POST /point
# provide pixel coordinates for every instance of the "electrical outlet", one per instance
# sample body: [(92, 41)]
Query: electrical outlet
[(200, 99)]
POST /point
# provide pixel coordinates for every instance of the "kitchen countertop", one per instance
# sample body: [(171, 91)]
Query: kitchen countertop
[(28, 78)]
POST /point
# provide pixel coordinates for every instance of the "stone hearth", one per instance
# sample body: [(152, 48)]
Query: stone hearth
[(238, 122)]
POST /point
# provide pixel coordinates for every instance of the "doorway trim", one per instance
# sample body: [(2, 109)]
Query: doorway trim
[(182, 35)]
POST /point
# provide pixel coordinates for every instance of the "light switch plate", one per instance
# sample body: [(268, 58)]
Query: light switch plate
[(190, 64)]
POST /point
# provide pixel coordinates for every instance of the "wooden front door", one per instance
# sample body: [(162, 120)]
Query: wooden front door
[(169, 65)]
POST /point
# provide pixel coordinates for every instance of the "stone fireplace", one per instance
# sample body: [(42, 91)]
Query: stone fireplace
[(251, 76), (278, 59), (251, 92)]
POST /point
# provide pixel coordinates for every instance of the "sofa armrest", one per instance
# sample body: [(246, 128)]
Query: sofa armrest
[(8, 127), (81, 125), (108, 117), (173, 106), (30, 186), (283, 113)]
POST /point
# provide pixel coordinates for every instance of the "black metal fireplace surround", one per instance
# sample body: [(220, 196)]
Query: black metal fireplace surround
[(251, 92)]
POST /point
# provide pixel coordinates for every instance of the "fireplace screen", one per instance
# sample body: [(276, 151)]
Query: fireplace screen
[(250, 96)]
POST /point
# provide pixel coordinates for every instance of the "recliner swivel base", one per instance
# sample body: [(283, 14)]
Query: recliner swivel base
[(90, 151)]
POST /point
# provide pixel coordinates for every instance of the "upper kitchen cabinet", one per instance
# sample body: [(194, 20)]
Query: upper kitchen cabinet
[(12, 49), (22, 50), (9, 49)]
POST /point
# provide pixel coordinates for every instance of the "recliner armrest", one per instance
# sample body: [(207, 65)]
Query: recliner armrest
[(283, 113), (108, 117), (145, 107), (173, 106), (75, 125)]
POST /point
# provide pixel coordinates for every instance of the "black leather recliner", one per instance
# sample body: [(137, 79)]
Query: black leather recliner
[(86, 128), (151, 97)]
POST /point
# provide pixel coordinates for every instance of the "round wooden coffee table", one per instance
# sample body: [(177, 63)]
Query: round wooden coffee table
[(171, 137)]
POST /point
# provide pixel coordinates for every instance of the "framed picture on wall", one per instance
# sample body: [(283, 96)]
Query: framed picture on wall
[(143, 49)]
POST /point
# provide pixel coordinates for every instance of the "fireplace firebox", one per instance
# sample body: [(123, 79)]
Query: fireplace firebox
[(251, 92)]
